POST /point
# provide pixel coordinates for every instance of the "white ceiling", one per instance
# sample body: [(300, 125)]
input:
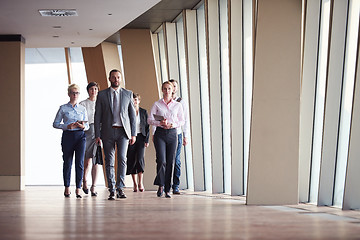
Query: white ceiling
[(22, 17)]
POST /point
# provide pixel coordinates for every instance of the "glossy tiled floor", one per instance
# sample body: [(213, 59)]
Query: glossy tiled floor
[(43, 213)]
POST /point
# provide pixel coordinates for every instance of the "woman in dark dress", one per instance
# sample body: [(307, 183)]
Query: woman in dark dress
[(136, 152)]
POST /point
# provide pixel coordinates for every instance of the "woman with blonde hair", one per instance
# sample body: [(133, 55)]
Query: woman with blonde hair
[(73, 120)]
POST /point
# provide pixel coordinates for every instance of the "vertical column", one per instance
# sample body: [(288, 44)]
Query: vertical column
[(172, 51), (195, 104), (237, 95), (215, 95), (332, 102), (140, 73), (12, 121), (95, 66), (274, 144), (156, 50), (308, 86), (352, 190), (99, 61)]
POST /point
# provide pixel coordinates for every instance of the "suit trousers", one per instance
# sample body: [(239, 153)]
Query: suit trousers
[(165, 141), (73, 141), (120, 140)]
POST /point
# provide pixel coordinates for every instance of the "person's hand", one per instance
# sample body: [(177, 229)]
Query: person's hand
[(98, 141), (146, 145), (163, 123), (185, 141), (80, 124), (132, 140), (168, 126), (72, 125)]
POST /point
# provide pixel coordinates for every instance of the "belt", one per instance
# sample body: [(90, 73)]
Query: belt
[(117, 127)]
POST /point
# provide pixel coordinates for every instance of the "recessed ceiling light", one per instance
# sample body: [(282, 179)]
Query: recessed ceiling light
[(58, 12)]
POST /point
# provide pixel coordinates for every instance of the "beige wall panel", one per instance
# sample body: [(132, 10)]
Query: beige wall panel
[(139, 71), (111, 58), (274, 137), (95, 66), (12, 92)]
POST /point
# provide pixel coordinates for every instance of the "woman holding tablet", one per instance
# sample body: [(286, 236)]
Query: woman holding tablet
[(73, 120), (166, 115)]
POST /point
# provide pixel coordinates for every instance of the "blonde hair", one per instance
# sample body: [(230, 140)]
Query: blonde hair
[(73, 86)]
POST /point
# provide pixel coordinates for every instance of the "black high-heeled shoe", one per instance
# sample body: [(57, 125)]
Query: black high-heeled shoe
[(86, 190), (92, 190), (160, 191), (77, 192), (67, 195)]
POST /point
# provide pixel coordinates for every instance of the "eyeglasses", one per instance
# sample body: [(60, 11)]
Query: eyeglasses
[(75, 93)]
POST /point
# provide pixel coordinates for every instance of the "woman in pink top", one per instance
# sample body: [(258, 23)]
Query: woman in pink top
[(166, 115)]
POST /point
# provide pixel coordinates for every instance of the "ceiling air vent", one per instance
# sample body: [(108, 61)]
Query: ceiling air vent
[(58, 12)]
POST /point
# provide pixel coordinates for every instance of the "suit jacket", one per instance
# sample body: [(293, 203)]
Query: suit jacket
[(104, 114), (144, 126)]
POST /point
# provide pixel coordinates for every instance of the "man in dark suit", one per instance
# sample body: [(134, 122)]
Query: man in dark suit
[(115, 123)]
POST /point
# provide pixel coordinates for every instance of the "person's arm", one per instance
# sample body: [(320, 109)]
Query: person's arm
[(97, 119), (57, 121), (132, 117), (186, 126), (86, 120), (147, 128), (180, 117), (151, 120)]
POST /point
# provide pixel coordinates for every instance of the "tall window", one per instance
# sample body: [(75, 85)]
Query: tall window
[(248, 80), (225, 93), (184, 94), (46, 84), (78, 71), (320, 98), (205, 102), (163, 61), (347, 98)]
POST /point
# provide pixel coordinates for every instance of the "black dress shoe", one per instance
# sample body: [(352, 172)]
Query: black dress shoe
[(160, 191), (94, 194), (111, 196), (167, 195), (120, 193), (78, 196)]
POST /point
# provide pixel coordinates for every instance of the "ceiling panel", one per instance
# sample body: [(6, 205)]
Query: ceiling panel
[(164, 11), (96, 20)]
